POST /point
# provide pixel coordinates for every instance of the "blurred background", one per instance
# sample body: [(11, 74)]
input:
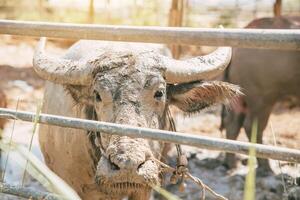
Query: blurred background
[(197, 13), (24, 89)]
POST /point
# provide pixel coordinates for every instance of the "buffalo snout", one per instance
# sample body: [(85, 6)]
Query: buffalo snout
[(128, 154), (127, 160)]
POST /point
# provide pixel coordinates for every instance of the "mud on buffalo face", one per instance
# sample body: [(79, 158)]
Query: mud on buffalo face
[(135, 87)]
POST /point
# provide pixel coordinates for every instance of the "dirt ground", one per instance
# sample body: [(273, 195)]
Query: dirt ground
[(25, 90)]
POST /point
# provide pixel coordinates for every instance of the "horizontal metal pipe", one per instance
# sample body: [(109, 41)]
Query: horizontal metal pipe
[(27, 193), (245, 38), (263, 151)]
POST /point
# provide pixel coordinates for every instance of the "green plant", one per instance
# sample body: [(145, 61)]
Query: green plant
[(249, 189)]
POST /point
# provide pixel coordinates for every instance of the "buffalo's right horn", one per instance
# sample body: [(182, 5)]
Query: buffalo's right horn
[(198, 68), (60, 70)]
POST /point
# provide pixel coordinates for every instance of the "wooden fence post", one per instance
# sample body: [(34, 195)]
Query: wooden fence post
[(277, 8), (91, 13), (176, 19)]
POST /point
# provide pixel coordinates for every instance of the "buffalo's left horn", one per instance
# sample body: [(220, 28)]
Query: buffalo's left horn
[(198, 68), (60, 70)]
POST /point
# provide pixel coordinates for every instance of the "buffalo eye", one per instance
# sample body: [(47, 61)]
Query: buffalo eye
[(158, 94), (97, 96)]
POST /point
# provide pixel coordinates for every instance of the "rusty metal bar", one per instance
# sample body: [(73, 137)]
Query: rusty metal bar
[(262, 151), (285, 39)]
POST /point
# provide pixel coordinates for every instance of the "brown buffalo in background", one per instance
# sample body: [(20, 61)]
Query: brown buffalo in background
[(266, 76)]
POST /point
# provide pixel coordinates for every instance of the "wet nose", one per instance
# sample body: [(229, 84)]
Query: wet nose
[(128, 154), (126, 161)]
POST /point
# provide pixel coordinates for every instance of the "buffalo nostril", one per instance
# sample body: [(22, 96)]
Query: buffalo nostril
[(113, 165), (139, 125), (140, 165)]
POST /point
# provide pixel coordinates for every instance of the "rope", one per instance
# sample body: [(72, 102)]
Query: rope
[(184, 173)]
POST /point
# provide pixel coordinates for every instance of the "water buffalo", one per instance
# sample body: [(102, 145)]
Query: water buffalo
[(127, 84), (266, 76)]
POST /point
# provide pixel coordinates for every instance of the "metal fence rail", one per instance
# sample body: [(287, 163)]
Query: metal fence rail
[(27, 192), (263, 151), (246, 38)]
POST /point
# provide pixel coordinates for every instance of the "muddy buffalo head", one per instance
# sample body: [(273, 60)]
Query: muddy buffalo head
[(135, 86)]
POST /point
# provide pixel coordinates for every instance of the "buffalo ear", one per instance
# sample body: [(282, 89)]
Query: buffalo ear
[(195, 96)]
